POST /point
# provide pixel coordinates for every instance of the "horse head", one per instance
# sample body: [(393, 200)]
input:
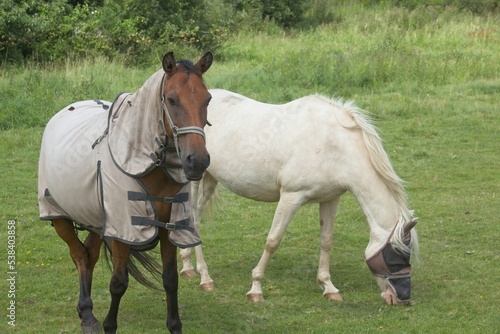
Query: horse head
[(392, 267), (185, 100)]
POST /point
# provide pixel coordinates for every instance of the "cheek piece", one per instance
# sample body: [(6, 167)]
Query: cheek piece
[(394, 266)]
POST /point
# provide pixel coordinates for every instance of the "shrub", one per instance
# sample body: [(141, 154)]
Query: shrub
[(27, 28), (55, 30), (286, 13)]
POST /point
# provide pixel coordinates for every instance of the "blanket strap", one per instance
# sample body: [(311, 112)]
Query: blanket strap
[(158, 161), (98, 140), (177, 198), (178, 225), (104, 106)]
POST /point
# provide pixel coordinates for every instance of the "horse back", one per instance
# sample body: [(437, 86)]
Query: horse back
[(259, 150)]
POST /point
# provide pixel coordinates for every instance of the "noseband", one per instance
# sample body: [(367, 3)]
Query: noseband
[(394, 265), (177, 131)]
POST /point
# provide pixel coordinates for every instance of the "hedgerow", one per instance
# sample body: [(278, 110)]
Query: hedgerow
[(57, 30)]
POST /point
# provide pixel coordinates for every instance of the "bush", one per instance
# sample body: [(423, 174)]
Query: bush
[(477, 6), (27, 28), (474, 6), (286, 13), (55, 30)]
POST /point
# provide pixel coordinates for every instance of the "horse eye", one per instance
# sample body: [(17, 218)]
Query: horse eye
[(171, 101)]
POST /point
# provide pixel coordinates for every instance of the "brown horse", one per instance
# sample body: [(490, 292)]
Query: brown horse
[(119, 171)]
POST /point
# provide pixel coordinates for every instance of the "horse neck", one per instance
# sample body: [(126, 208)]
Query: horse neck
[(379, 191), (384, 211)]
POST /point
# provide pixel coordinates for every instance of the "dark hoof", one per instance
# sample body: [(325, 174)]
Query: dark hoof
[(93, 328)]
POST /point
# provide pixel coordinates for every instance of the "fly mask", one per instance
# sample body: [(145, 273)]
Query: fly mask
[(394, 265)]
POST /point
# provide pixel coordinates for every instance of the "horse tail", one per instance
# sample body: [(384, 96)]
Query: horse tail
[(151, 265), (147, 261), (382, 164)]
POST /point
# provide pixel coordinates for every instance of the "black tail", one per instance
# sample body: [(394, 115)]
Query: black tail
[(148, 262)]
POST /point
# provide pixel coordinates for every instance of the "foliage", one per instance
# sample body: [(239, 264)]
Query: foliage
[(366, 50), (285, 12), (55, 30), (477, 6), (474, 6), (27, 28)]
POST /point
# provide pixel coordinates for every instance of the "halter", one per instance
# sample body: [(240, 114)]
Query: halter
[(176, 131)]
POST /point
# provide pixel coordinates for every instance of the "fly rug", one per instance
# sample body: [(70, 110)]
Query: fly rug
[(121, 171)]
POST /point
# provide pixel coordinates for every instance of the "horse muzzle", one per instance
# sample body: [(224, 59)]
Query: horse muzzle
[(195, 165), (401, 287)]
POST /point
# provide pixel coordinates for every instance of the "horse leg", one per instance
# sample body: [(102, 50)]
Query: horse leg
[(287, 206), (118, 284), (327, 211), (85, 257), (170, 282), (196, 208), (201, 192)]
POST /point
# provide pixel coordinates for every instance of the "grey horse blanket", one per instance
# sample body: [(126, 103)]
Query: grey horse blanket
[(92, 155)]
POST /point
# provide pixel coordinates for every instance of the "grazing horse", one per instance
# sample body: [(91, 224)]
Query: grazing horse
[(122, 172), (311, 150)]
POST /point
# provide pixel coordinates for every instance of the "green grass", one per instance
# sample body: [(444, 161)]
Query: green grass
[(432, 84)]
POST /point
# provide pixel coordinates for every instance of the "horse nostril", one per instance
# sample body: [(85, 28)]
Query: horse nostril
[(189, 161), (197, 162)]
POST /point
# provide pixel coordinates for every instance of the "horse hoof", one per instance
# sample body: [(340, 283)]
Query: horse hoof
[(208, 286), (93, 328), (255, 297), (333, 296), (188, 273)]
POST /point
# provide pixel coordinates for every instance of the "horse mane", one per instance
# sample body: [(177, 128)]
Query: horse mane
[(382, 164), (189, 67)]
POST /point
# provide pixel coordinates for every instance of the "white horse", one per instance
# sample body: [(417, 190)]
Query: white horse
[(311, 150)]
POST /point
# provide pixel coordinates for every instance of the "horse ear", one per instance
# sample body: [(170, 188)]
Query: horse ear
[(169, 63), (406, 231), (409, 225), (205, 62)]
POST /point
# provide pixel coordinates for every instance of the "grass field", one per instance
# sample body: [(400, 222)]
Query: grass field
[(431, 81)]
